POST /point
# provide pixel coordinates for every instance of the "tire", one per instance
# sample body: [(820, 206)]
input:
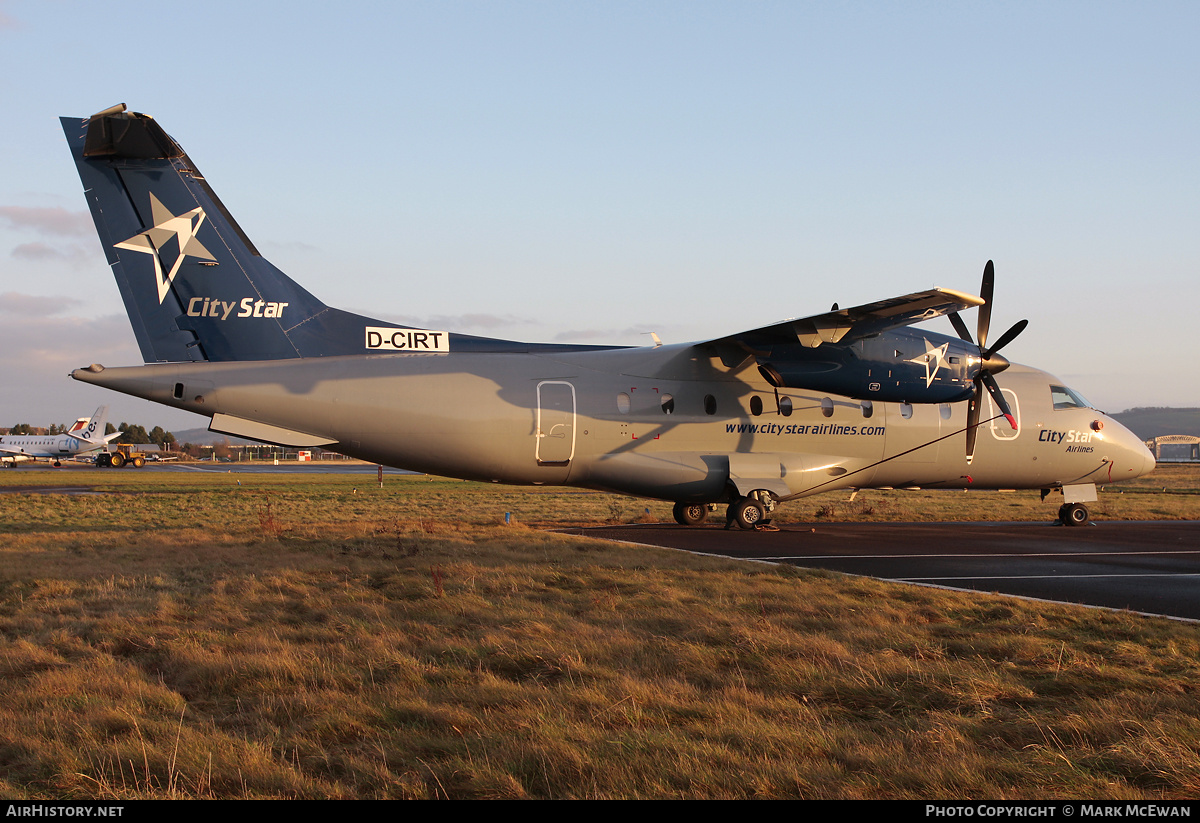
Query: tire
[(690, 514), (118, 460), (748, 513), (138, 462), (1074, 514)]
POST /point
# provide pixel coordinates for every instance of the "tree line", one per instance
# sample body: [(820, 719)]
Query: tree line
[(130, 433)]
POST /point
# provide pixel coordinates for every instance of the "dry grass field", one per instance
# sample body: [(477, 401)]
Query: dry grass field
[(222, 635)]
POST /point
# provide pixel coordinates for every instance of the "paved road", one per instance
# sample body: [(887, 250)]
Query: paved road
[(1151, 567)]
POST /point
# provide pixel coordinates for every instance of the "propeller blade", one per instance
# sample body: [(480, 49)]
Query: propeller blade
[(985, 311), (960, 326), (1007, 337), (998, 396), (990, 362)]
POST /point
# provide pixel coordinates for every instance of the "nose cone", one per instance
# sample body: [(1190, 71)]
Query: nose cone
[(1148, 461), (1129, 455)]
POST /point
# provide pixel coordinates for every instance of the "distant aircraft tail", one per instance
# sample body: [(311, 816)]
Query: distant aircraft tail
[(91, 429), (194, 286)]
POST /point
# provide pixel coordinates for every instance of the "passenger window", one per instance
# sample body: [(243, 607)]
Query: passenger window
[(756, 405), (710, 404), (868, 409), (826, 407), (668, 404), (785, 406), (623, 403), (906, 410)]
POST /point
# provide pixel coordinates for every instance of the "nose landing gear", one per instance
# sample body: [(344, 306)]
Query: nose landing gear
[(1073, 514)]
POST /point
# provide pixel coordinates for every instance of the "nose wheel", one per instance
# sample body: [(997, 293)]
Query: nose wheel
[(1073, 514)]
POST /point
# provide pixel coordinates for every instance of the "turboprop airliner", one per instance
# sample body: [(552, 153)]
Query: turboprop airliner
[(85, 435), (848, 398)]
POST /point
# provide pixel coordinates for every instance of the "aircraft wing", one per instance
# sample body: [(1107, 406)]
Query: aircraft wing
[(845, 325)]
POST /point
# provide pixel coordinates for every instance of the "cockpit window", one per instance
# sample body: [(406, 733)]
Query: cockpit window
[(1065, 398)]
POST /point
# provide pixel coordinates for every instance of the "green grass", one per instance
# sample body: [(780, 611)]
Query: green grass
[(181, 636)]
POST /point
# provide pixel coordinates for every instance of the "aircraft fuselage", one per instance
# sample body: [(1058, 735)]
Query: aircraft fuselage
[(666, 422)]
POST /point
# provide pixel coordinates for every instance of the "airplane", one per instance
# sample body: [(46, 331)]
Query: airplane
[(85, 435), (846, 399)]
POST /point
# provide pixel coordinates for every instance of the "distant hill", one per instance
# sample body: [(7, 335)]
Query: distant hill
[(1155, 422)]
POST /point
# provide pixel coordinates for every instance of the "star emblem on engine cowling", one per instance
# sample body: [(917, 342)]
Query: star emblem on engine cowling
[(156, 241), (932, 360)]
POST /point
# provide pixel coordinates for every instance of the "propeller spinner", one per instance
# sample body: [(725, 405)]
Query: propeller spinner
[(991, 362)]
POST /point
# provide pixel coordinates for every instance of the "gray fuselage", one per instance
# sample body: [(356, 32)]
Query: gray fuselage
[(668, 422)]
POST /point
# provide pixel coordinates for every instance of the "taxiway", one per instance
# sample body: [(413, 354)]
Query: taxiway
[(1148, 567)]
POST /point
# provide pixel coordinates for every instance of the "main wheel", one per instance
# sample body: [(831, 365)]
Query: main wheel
[(690, 514), (748, 513), (1074, 514)]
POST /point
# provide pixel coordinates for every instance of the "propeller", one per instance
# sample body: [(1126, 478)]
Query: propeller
[(991, 362)]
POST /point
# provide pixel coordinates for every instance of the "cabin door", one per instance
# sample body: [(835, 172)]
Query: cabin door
[(554, 435)]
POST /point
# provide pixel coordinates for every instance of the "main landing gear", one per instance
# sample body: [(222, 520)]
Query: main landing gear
[(747, 513), (750, 512), (1073, 514), (690, 514)]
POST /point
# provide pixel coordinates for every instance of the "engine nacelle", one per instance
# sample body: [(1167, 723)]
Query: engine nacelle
[(905, 366)]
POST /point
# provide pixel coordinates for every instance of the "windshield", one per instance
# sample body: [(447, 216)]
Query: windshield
[(1065, 398)]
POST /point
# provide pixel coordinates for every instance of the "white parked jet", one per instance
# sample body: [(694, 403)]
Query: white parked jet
[(86, 435)]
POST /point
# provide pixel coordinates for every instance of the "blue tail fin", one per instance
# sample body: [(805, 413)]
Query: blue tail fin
[(194, 286)]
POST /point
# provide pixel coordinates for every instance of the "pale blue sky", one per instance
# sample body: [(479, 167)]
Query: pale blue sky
[(593, 171)]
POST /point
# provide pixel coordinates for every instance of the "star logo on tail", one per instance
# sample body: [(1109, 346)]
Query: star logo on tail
[(170, 235), (932, 360)]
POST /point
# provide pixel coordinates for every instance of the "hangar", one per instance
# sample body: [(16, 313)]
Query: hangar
[(1175, 448)]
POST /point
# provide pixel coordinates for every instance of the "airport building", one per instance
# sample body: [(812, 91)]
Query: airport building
[(1175, 448)]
